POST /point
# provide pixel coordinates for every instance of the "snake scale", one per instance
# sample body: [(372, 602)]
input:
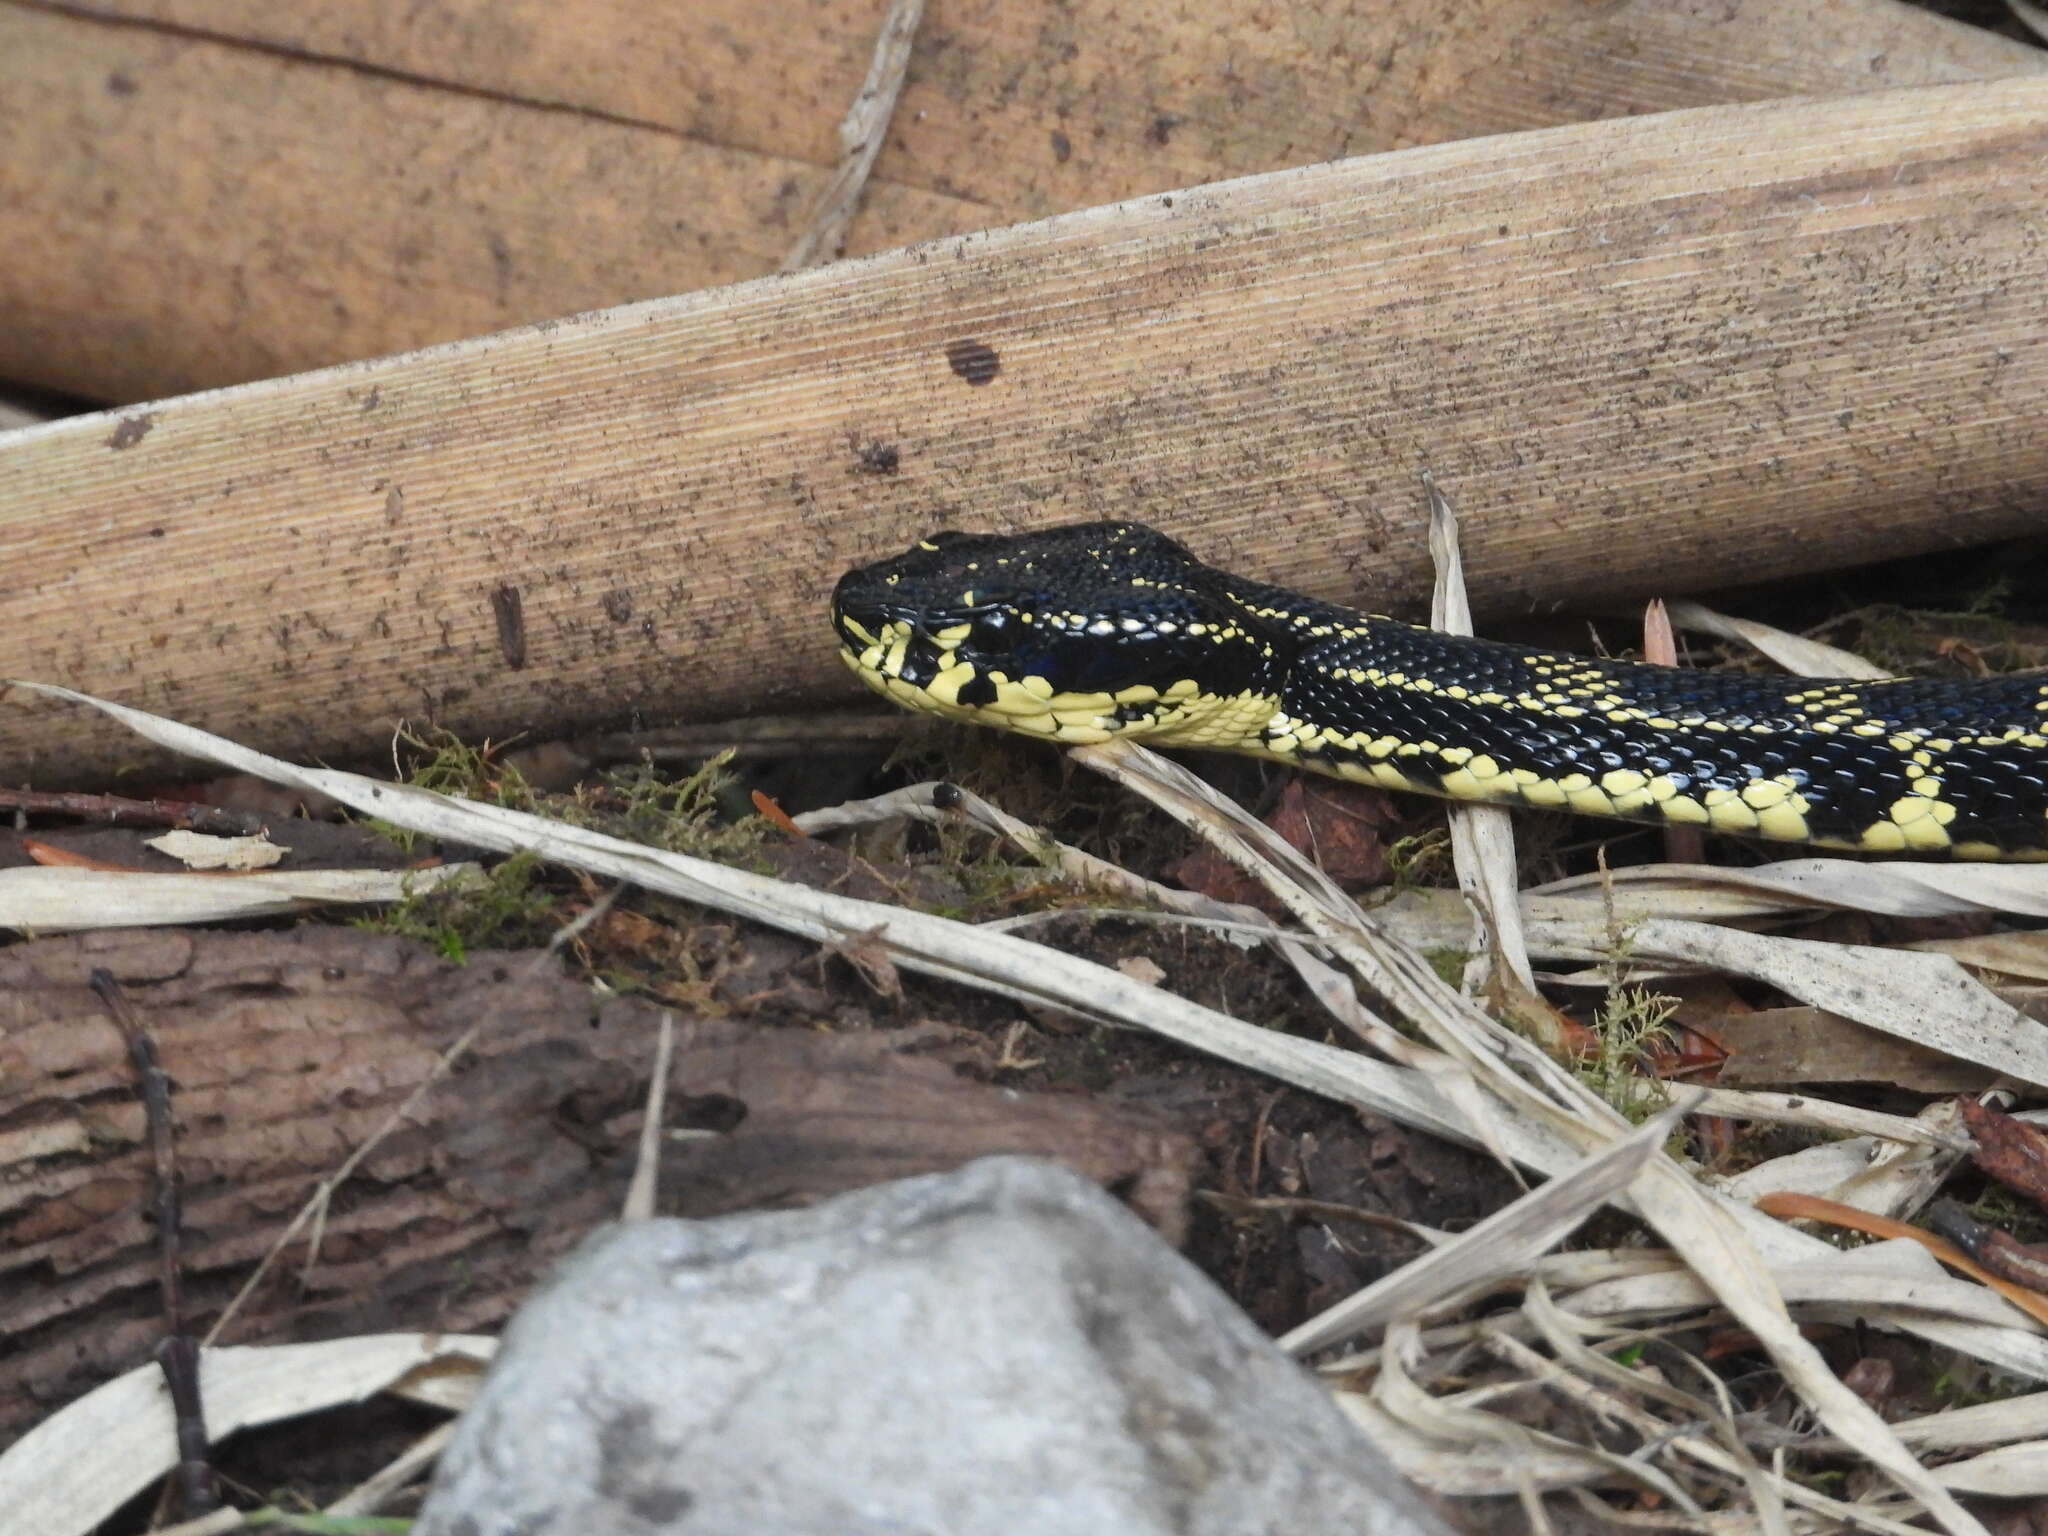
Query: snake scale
[(1098, 630)]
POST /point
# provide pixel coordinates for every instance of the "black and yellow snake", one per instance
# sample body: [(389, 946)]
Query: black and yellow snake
[(1083, 633)]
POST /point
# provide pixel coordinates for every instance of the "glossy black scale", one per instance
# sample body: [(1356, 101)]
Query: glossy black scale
[(1134, 594), (1848, 781), (1035, 598)]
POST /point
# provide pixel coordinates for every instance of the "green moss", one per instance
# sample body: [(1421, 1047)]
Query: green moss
[(1449, 964), (1629, 1019), (703, 814), (506, 905)]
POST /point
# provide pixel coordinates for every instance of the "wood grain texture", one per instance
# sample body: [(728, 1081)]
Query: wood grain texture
[(200, 192), (1643, 355), (289, 1050)]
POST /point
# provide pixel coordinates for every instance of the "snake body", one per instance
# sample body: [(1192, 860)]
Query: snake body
[(1099, 630)]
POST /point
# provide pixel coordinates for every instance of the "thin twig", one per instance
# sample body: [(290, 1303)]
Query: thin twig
[(861, 133), (647, 1167), (176, 1355), (118, 811)]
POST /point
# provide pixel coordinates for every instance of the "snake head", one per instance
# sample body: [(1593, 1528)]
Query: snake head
[(1075, 633)]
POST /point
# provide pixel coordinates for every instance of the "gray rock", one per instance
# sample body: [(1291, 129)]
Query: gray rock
[(1003, 1350)]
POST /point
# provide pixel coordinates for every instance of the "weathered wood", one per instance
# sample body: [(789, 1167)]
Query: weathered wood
[(198, 192), (288, 1051), (1644, 355)]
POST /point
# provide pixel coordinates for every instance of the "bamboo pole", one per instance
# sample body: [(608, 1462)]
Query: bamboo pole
[(1645, 355)]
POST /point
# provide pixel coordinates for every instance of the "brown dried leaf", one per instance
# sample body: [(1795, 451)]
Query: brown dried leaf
[(1796, 1046), (1343, 827), (2010, 1151)]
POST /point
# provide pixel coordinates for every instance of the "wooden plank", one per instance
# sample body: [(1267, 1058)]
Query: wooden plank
[(186, 212), (1645, 355), (199, 192)]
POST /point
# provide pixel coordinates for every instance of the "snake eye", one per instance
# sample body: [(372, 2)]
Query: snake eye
[(992, 631)]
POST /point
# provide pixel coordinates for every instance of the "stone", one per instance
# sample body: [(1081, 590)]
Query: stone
[(1003, 1349)]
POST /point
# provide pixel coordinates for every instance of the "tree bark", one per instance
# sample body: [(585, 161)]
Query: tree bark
[(288, 1051)]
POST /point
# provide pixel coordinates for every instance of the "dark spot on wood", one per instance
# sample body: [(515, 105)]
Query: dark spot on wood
[(1062, 147), (510, 613), (156, 533), (880, 458), (131, 430), (1161, 131), (370, 400), (974, 361), (1503, 231), (618, 605), (119, 84), (501, 261)]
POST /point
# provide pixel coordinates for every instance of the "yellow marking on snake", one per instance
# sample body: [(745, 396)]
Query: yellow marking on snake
[(1128, 634)]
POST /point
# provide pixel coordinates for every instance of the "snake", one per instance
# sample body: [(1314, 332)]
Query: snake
[(1097, 631)]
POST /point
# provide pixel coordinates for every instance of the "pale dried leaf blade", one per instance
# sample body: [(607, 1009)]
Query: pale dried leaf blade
[(1482, 836), (1811, 1112), (2012, 1472), (84, 1461), (1714, 892), (1721, 1242), (2033, 17), (1928, 999), (61, 898), (1886, 1279), (1463, 1467), (1795, 653), (1716, 1241), (1503, 1245), (993, 962), (2021, 956)]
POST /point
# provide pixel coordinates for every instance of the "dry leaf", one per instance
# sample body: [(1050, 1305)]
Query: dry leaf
[(1142, 968), (198, 850)]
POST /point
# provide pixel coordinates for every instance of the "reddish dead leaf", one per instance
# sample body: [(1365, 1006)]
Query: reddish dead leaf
[(1578, 1039), (1696, 1053), (2009, 1150), (1793, 1207), (1343, 827), (1716, 1135), (1963, 654), (1557, 1031), (770, 811), (46, 853), (1998, 1251)]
